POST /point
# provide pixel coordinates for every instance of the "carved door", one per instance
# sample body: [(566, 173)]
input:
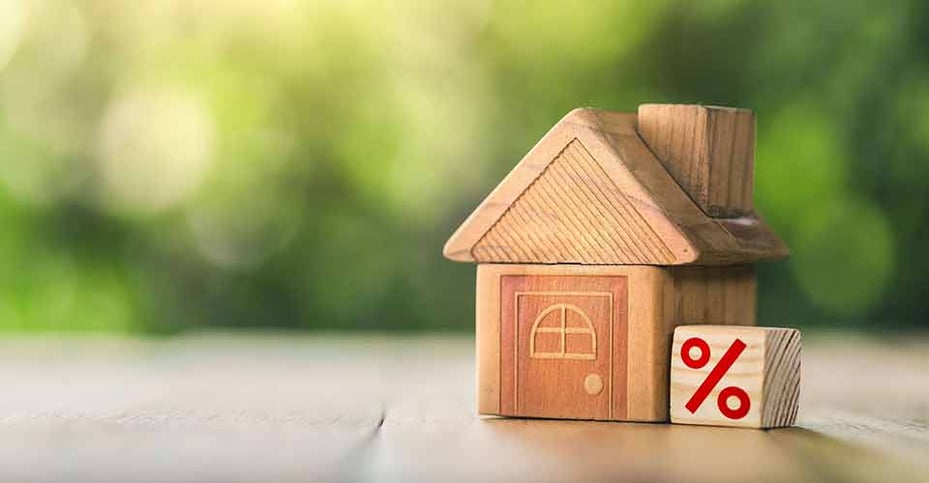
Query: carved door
[(562, 337)]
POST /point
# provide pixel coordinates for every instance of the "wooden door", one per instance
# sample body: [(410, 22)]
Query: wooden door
[(563, 346)]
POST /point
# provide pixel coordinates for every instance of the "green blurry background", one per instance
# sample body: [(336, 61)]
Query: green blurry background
[(176, 164)]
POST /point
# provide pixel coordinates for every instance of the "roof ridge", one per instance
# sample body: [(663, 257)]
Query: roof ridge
[(641, 193)]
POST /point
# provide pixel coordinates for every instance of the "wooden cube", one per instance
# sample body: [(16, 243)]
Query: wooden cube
[(723, 375)]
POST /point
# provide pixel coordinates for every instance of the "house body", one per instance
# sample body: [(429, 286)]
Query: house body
[(611, 231)]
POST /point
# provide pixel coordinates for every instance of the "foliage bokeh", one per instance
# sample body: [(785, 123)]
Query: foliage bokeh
[(174, 164)]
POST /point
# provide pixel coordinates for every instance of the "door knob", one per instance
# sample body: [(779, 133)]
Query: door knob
[(593, 384)]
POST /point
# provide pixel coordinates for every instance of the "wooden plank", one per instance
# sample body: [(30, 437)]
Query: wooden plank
[(651, 296), (487, 340), (194, 409), (846, 431), (292, 407)]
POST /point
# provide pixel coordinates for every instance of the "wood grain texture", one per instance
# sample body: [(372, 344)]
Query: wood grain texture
[(592, 192), (709, 150), (573, 213), (639, 392), (781, 390), (715, 295), (561, 334), (487, 340), (768, 370), (652, 325), (297, 407)]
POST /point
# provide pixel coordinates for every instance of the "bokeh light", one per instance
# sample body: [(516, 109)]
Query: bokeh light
[(844, 257), (169, 164), (11, 26), (155, 148)]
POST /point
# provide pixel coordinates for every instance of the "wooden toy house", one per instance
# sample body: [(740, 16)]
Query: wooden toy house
[(611, 231)]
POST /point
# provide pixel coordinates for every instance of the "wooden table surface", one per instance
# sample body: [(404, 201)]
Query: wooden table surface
[(277, 408)]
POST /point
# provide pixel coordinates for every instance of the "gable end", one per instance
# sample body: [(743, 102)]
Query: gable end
[(573, 213)]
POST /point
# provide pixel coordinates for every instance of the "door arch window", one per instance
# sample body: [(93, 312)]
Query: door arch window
[(562, 331)]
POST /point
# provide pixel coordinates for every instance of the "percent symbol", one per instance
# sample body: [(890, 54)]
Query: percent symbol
[(722, 367)]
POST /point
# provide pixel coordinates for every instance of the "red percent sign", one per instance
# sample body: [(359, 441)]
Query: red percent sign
[(721, 368)]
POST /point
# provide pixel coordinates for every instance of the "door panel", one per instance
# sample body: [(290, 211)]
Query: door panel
[(563, 346)]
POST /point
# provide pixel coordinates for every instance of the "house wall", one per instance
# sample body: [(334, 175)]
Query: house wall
[(651, 312), (714, 295)]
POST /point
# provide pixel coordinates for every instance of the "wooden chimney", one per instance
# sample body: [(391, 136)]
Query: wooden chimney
[(709, 151)]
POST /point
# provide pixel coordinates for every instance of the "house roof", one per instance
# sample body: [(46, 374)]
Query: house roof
[(591, 192)]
